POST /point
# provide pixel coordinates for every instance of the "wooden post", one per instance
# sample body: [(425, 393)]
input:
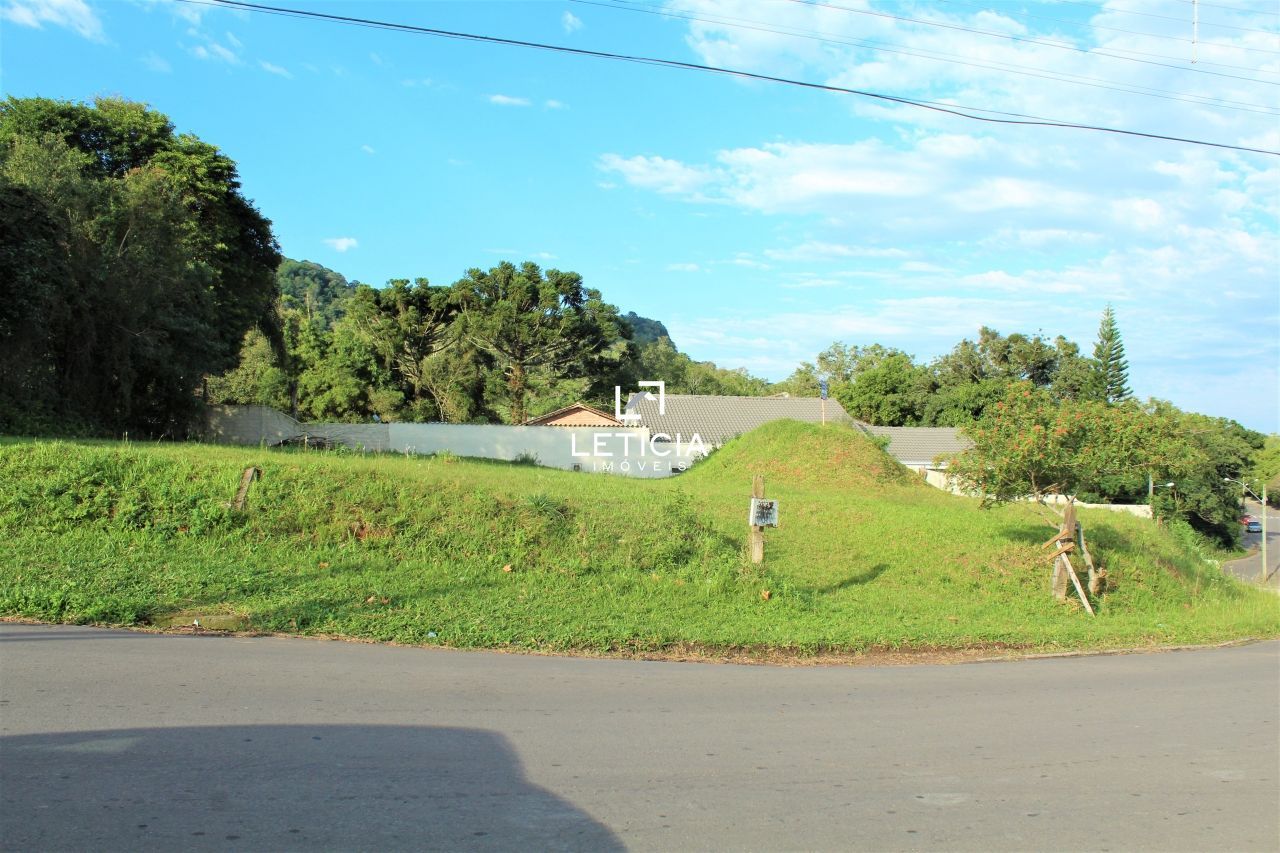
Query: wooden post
[(1061, 566), (250, 474), (757, 532), (1059, 581)]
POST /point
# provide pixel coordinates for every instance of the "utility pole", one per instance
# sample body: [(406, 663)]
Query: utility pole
[(1266, 575)]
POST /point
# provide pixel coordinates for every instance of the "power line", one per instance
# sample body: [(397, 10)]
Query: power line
[(1137, 32), (1221, 6), (1114, 10), (962, 112), (1077, 79), (1055, 44)]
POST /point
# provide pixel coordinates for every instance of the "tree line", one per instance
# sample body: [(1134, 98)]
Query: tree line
[(136, 279), (498, 345), (886, 386), (130, 265)]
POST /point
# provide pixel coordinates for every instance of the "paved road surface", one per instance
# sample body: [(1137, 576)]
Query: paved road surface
[(1248, 568), (118, 741)]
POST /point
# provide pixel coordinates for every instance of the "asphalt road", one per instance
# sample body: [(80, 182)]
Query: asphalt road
[(1249, 568), (120, 741)]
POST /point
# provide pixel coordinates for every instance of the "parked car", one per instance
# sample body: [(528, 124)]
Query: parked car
[(1253, 526)]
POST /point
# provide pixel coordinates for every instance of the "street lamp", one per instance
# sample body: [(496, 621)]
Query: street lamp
[(1151, 495), (1264, 574)]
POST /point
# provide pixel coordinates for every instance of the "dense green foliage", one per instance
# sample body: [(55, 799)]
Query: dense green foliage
[(885, 386), (503, 345), (461, 553), (643, 330), (1029, 445), (131, 266), (1266, 470)]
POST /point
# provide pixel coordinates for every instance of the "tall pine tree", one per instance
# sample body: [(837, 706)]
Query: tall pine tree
[(1113, 368)]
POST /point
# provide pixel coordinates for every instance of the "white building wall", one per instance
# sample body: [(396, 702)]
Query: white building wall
[(612, 450), (615, 450)]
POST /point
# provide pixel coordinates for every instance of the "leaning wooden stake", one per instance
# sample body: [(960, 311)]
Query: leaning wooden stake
[(246, 479), (1084, 599), (757, 532), (1066, 539)]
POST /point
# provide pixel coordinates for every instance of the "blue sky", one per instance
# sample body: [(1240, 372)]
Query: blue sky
[(759, 221)]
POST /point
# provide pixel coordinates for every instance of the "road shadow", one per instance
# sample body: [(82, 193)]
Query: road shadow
[(281, 787)]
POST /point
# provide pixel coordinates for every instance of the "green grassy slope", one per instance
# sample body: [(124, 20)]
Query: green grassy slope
[(414, 550)]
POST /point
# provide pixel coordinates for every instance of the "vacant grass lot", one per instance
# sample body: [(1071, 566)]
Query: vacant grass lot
[(469, 553)]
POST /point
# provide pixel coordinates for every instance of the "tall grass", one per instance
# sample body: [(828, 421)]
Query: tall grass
[(470, 553)]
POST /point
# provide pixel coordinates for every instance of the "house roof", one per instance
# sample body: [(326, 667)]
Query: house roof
[(717, 419), (920, 445), (605, 417)]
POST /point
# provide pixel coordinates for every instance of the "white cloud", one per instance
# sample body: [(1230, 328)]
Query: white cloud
[(742, 259), (425, 82), (73, 14), (570, 22), (342, 244), (1144, 214), (368, 149), (683, 268), (377, 59), (555, 105), (234, 42), (668, 177), (157, 63), (275, 69), (508, 101), (922, 267), (212, 51), (818, 250)]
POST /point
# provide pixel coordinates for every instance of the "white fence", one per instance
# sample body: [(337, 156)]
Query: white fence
[(940, 480), (612, 450)]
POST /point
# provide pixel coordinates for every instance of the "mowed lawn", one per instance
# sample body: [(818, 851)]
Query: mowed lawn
[(439, 550)]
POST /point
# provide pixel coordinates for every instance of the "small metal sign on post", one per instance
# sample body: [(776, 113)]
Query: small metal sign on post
[(764, 513), (761, 514), (822, 385)]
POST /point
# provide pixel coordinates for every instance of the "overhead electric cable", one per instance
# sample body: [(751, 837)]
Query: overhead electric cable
[(1112, 10), (1056, 44), (1222, 6), (962, 112), (1145, 34), (1076, 79)]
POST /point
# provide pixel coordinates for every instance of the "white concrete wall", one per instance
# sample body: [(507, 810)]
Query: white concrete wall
[(611, 450), (375, 438), (248, 425), (614, 450), (939, 480)]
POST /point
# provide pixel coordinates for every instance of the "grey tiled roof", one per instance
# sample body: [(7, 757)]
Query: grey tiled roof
[(717, 419), (921, 445)]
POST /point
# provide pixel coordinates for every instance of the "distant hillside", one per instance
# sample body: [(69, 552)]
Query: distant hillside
[(646, 331), (314, 289)]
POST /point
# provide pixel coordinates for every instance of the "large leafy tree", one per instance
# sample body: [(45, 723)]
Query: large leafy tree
[(163, 264), (1028, 445), (1112, 366), (888, 389), (527, 322)]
